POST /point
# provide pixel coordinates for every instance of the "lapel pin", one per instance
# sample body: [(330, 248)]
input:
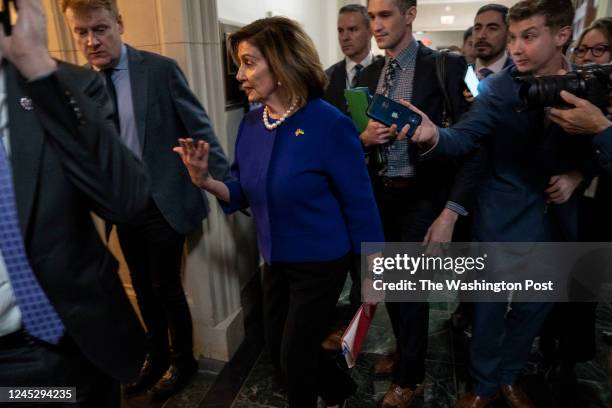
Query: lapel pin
[(299, 132), (26, 103)]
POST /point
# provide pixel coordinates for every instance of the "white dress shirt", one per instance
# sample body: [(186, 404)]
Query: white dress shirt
[(494, 67), (350, 67)]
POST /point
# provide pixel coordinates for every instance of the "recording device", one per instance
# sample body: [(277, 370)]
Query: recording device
[(591, 82), (389, 112), (471, 80), (5, 16)]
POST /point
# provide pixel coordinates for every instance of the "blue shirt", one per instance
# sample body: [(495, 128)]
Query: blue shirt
[(125, 105), (307, 185)]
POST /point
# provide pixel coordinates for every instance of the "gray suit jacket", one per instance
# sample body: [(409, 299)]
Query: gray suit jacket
[(64, 166), (166, 109)]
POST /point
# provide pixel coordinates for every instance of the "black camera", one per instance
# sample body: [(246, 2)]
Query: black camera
[(591, 82)]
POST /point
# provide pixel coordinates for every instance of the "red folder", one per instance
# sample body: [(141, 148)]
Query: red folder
[(355, 334)]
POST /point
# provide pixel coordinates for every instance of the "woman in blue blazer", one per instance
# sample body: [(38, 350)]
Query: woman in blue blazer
[(299, 166)]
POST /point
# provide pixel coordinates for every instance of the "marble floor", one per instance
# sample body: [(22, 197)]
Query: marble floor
[(248, 381)]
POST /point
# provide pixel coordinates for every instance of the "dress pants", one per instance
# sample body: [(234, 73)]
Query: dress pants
[(299, 301), (501, 342), (406, 216), (153, 252), (31, 363)]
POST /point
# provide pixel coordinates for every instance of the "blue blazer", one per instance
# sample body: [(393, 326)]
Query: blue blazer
[(523, 151), (307, 185)]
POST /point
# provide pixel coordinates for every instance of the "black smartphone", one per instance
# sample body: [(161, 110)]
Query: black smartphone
[(5, 16), (389, 112)]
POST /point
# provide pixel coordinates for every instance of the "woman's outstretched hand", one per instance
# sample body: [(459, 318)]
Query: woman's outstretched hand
[(195, 157)]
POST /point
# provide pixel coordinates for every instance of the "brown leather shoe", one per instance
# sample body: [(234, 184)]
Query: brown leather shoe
[(471, 400), (384, 365), (398, 397), (515, 397), (333, 342)]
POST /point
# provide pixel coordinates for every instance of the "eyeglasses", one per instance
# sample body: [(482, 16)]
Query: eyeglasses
[(597, 51)]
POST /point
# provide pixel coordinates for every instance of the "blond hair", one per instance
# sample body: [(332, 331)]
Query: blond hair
[(88, 5)]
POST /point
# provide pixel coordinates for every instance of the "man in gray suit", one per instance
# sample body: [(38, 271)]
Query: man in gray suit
[(154, 107)]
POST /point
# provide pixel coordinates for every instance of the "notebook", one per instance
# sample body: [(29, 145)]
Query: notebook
[(358, 100)]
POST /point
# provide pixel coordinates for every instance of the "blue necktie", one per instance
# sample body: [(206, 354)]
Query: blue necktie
[(38, 316)]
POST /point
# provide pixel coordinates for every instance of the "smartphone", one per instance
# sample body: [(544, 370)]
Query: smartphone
[(389, 112), (471, 80), (5, 16)]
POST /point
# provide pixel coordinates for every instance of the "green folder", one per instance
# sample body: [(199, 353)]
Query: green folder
[(358, 100)]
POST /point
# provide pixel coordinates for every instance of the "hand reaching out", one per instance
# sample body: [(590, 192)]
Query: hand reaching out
[(195, 159)]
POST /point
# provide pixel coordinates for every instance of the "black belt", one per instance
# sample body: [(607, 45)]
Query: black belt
[(398, 183), (16, 339)]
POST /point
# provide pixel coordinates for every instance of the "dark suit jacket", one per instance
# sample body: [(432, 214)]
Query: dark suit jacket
[(451, 180), (523, 151), (336, 84), (166, 109), (64, 166)]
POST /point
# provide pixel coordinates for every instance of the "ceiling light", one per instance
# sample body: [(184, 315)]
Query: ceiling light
[(447, 20)]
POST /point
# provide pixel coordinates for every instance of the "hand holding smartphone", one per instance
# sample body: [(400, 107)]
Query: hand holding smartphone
[(389, 112)]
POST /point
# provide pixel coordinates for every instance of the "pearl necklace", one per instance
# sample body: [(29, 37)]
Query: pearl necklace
[(279, 121)]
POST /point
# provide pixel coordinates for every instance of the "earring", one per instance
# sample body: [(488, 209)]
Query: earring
[(279, 83)]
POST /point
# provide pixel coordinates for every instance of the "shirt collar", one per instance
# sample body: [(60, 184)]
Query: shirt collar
[(350, 64), (407, 55), (123, 60), (495, 67)]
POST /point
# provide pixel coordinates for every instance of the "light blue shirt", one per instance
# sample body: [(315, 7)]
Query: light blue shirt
[(125, 105)]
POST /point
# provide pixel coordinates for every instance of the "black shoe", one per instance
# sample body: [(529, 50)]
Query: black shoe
[(150, 373), (173, 381)]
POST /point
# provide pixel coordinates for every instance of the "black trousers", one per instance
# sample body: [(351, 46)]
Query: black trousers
[(406, 216), (31, 363), (153, 252), (299, 300)]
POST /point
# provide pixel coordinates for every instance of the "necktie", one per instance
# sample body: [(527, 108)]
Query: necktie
[(484, 72), (112, 92), (382, 152), (355, 80), (38, 316), (390, 72)]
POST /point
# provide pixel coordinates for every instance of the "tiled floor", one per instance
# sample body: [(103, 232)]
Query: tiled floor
[(249, 381)]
